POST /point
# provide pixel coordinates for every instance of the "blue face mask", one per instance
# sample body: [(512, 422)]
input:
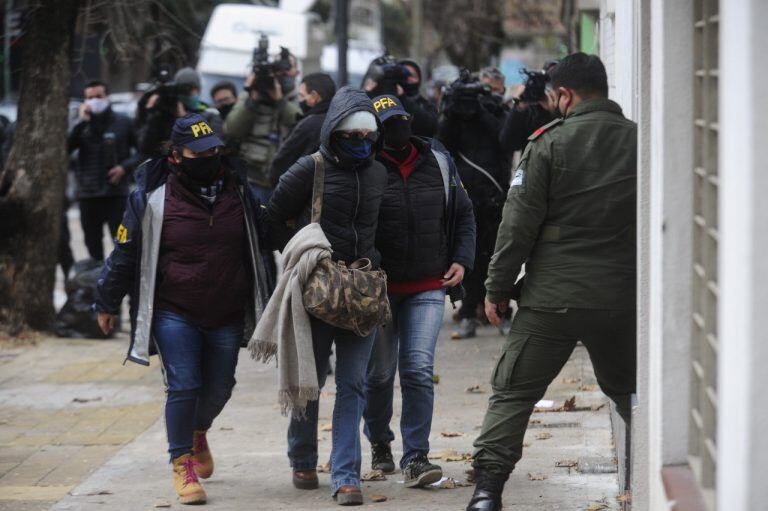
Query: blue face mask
[(355, 147)]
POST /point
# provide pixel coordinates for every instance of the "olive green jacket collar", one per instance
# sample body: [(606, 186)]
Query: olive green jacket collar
[(594, 105)]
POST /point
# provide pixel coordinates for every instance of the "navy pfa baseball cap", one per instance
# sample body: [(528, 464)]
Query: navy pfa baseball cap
[(193, 131), (386, 106)]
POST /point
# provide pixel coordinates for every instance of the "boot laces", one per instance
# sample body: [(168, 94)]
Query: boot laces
[(201, 443), (190, 476)]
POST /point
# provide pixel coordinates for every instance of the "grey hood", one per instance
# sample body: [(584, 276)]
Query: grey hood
[(346, 101)]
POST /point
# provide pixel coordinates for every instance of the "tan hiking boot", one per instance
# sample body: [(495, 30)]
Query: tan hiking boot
[(188, 488), (202, 455)]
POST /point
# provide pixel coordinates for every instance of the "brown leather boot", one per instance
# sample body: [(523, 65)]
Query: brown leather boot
[(305, 479), (349, 495), (202, 455), (188, 488)]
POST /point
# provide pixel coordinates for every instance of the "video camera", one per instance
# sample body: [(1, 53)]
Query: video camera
[(265, 70), (168, 93), (466, 95), (388, 73), (535, 85)]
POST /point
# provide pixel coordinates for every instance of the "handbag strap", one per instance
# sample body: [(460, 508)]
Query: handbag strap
[(318, 187)]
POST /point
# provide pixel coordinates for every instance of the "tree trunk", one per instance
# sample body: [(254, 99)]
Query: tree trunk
[(32, 199)]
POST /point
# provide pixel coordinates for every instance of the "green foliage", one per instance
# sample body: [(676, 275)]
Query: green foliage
[(396, 28)]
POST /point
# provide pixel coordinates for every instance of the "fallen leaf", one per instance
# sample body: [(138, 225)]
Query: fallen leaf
[(597, 506), (474, 390), (534, 421), (378, 498), (595, 408), (450, 455), (374, 475), (544, 435), (448, 483), (85, 399), (566, 463), (100, 492), (451, 434), (536, 477), (326, 427), (324, 469), (624, 497), (571, 380), (588, 388), (570, 404), (224, 428), (162, 503), (435, 379), (526, 444)]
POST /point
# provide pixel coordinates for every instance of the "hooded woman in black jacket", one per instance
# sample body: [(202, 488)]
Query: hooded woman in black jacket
[(354, 186)]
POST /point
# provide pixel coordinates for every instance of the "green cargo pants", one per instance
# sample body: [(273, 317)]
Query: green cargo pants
[(537, 348)]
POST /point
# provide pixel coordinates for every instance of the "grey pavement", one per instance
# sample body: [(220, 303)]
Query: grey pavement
[(252, 472)]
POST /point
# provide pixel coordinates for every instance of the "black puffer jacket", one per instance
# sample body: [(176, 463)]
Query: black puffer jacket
[(419, 235), (351, 199), (102, 143)]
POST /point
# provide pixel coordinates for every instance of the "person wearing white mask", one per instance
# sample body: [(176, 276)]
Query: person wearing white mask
[(106, 145)]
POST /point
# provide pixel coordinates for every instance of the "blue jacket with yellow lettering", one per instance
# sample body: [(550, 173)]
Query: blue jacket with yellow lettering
[(132, 266)]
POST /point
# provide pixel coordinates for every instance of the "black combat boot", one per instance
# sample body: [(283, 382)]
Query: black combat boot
[(488, 489), (382, 459)]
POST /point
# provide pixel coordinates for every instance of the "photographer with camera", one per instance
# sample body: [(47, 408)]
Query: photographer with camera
[(166, 102), (472, 118), (264, 114), (402, 79), (532, 109)]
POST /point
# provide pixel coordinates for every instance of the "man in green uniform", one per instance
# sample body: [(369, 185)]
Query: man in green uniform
[(570, 217)]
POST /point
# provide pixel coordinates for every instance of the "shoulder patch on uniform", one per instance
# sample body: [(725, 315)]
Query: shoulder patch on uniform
[(544, 128)]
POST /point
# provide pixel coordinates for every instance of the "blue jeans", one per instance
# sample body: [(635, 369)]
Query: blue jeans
[(199, 370), (352, 354), (410, 340)]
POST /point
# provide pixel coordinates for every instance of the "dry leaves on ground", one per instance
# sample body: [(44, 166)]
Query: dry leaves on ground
[(474, 390), (162, 503), (566, 463), (326, 427), (544, 435), (588, 388), (450, 455), (570, 404), (435, 379), (378, 498), (571, 380), (534, 421), (536, 477), (324, 469), (597, 506), (374, 475), (451, 434)]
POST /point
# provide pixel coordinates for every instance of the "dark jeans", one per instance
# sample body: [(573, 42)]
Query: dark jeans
[(96, 212), (537, 348), (410, 340), (199, 370), (352, 355), (487, 225)]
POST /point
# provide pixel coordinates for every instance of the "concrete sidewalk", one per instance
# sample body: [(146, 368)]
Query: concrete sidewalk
[(81, 442)]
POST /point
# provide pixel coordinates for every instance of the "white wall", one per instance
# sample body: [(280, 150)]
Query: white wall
[(743, 356)]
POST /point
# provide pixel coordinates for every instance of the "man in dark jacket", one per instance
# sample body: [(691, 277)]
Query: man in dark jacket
[(470, 128), (426, 237), (354, 186), (315, 93), (105, 141)]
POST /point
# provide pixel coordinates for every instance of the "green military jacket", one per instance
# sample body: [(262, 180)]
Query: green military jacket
[(570, 215), (257, 129)]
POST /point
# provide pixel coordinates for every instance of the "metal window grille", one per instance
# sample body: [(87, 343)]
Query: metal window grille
[(703, 406)]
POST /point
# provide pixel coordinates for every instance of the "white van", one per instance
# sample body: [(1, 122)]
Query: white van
[(233, 32)]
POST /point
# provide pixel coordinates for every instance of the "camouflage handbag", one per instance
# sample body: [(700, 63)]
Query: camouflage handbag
[(351, 297)]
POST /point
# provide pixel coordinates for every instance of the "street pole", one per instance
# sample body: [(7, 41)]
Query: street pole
[(7, 51), (342, 39), (417, 31)]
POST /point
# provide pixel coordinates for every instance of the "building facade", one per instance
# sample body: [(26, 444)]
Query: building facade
[(690, 73)]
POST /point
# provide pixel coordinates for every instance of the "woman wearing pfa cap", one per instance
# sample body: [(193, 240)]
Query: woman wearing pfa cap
[(189, 249)]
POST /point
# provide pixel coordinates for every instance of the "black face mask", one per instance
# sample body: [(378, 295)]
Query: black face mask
[(201, 171), (397, 133), (287, 83), (411, 89), (305, 108), (225, 109)]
